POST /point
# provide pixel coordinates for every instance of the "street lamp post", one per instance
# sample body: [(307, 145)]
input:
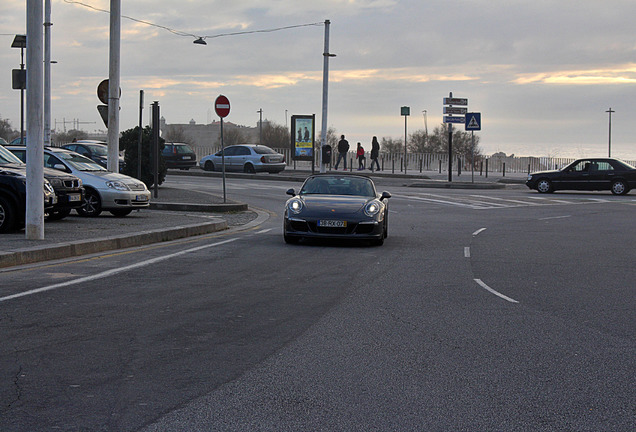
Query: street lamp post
[(325, 97), (609, 145), (20, 42)]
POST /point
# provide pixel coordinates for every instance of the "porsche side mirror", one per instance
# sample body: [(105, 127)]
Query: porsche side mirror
[(385, 195), (291, 192)]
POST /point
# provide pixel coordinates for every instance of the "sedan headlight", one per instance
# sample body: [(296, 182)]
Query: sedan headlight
[(372, 208), (295, 206), (48, 187), (529, 177), (120, 186), (56, 182)]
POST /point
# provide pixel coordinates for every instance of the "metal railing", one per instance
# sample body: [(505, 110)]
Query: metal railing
[(421, 162)]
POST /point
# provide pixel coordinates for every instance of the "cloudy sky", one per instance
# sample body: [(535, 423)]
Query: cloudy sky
[(542, 73)]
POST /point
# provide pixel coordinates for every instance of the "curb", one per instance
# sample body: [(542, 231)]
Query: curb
[(85, 247), (432, 184), (212, 208)]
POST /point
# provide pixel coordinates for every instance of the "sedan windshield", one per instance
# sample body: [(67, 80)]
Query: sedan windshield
[(345, 185), (7, 157), (80, 162), (99, 150)]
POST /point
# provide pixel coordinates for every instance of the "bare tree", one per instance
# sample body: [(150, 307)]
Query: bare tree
[(70, 136), (275, 135), (231, 136), (392, 145), (6, 131), (177, 134)]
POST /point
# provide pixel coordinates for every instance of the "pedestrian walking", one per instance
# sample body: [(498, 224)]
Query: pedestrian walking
[(360, 156), (343, 150), (375, 153)]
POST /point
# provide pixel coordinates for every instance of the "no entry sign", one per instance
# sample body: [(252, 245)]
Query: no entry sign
[(222, 106)]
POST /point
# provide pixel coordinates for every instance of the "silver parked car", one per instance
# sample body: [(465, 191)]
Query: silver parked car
[(104, 190), (248, 158)]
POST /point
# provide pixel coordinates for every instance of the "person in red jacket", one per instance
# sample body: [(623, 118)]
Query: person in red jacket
[(360, 156)]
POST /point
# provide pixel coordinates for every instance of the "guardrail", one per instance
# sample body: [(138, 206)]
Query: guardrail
[(422, 162)]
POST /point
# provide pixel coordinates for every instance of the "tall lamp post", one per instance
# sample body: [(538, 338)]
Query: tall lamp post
[(609, 151), (20, 42), (325, 96)]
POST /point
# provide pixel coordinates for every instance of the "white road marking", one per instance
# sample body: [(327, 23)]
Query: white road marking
[(263, 231), (112, 271), (555, 217), (498, 294), (467, 252), (479, 231)]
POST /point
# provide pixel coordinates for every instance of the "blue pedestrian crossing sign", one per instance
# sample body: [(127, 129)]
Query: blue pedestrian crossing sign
[(473, 121)]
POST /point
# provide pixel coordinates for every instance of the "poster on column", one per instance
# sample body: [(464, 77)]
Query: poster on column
[(302, 137)]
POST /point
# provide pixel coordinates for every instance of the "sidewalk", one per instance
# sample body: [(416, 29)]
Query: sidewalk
[(174, 214)]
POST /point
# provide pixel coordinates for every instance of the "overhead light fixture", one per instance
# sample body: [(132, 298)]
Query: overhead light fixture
[(200, 41)]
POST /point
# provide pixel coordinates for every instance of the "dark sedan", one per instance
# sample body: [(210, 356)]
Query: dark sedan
[(594, 174), (337, 207)]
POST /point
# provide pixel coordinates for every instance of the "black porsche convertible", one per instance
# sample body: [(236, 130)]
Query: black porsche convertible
[(337, 206)]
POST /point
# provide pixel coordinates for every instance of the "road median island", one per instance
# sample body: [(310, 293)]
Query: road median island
[(122, 241)]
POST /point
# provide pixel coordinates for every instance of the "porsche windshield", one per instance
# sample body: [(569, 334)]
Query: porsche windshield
[(342, 185)]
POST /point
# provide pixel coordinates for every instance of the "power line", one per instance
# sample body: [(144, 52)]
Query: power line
[(182, 33)]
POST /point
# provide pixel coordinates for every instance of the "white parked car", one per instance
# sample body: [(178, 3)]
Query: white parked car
[(104, 190), (248, 158)]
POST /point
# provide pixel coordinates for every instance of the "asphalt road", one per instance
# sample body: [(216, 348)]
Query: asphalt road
[(484, 310)]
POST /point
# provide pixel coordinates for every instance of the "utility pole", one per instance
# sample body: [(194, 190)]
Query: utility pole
[(47, 72), (609, 151), (260, 126), (113, 85), (325, 91), (34, 125)]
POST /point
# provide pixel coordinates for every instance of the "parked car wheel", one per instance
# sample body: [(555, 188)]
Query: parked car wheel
[(249, 169), (544, 186), (121, 212), (619, 187), (209, 166), (92, 204), (58, 215), (7, 215)]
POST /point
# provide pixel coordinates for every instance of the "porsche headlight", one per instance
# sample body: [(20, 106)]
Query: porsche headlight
[(372, 208), (120, 186), (295, 206)]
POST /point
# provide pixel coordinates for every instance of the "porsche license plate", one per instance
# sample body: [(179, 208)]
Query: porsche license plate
[(332, 223)]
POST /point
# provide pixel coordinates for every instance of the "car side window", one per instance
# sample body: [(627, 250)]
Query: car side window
[(50, 161), (81, 150), (602, 166), (242, 151), (167, 150), (231, 151), (583, 166)]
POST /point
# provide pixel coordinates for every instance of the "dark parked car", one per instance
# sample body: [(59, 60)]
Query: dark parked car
[(592, 174), (247, 158), (179, 155), (94, 150), (13, 198), (68, 188), (337, 207)]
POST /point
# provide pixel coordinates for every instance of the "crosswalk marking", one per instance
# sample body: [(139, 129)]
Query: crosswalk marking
[(483, 202)]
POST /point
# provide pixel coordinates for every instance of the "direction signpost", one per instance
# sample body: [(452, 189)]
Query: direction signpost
[(222, 108), (450, 119)]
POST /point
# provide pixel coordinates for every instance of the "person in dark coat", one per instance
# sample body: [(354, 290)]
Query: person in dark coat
[(375, 153), (343, 149)]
